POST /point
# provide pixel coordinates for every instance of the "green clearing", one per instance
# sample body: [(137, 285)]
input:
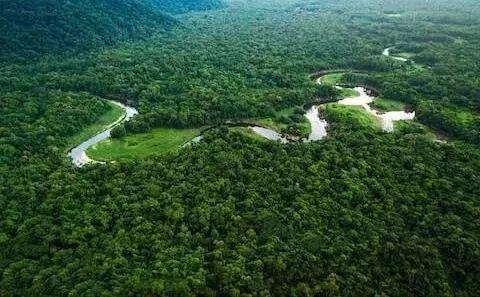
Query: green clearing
[(332, 79), (335, 78), (414, 127), (383, 104), (465, 117), (247, 132), (113, 114), (155, 142), (355, 116), (277, 121), (405, 55), (348, 92)]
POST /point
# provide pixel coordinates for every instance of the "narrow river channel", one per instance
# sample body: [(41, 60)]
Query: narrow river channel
[(269, 134), (78, 154), (318, 125), (387, 119), (386, 52)]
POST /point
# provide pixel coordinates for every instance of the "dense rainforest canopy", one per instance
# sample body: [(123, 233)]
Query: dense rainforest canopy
[(359, 213), (33, 27), (182, 6)]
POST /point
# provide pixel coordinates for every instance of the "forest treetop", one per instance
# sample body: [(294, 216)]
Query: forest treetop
[(360, 213)]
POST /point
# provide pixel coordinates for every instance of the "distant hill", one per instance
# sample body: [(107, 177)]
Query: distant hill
[(182, 6), (33, 27)]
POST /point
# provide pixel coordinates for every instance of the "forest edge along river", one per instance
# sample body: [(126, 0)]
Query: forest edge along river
[(386, 52), (78, 154), (364, 99), (318, 125), (387, 119), (80, 158)]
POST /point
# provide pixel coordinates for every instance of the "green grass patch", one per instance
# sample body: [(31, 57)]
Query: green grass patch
[(248, 133), (410, 127), (348, 92), (331, 79), (336, 78), (354, 116), (464, 117), (271, 123), (278, 121), (155, 142), (405, 55), (414, 127), (112, 115), (383, 104), (285, 112)]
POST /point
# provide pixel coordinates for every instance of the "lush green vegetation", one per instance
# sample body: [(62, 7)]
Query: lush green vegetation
[(360, 213), (332, 79), (290, 121), (355, 117), (112, 114), (383, 104), (414, 127), (338, 78), (33, 27), (348, 92), (247, 132), (182, 6), (451, 120), (157, 142), (341, 218), (42, 123)]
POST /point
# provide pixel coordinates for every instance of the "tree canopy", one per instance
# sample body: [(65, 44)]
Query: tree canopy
[(359, 213)]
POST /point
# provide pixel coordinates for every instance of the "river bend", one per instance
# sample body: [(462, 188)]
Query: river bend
[(78, 154)]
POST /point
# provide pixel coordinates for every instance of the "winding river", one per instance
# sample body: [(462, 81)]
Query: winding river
[(386, 52), (318, 125), (363, 99), (78, 154), (387, 119), (269, 134)]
